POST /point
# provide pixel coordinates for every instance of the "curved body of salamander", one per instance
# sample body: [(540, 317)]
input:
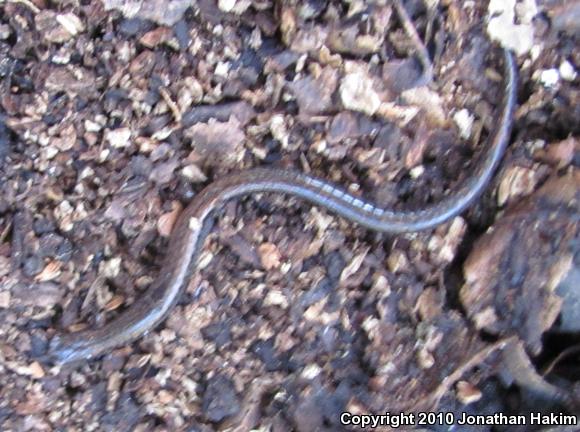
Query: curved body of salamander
[(189, 233)]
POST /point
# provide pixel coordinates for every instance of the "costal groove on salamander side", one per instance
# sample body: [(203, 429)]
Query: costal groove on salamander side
[(191, 229)]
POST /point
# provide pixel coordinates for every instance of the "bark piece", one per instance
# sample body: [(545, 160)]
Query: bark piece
[(513, 271)]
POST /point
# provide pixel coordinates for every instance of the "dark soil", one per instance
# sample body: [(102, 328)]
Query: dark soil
[(114, 114)]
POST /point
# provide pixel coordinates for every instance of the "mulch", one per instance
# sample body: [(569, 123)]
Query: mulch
[(114, 114)]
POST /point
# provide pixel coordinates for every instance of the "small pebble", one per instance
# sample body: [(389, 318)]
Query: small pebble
[(549, 77), (567, 71)]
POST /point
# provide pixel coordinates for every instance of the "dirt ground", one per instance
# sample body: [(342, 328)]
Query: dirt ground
[(114, 114)]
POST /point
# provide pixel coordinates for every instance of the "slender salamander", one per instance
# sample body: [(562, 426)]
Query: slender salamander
[(188, 234)]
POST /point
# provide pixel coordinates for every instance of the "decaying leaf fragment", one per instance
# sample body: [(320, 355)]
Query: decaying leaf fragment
[(513, 271), (162, 12)]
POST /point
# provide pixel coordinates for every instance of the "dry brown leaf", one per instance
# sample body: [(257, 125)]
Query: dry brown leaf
[(270, 255), (354, 265)]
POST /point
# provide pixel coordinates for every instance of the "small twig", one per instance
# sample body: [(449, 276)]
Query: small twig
[(5, 231), (432, 400), (172, 105), (92, 292), (451, 379), (421, 50), (19, 228), (429, 26), (567, 352), (518, 364)]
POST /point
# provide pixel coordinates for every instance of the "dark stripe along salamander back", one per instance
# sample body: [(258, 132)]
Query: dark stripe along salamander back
[(189, 234)]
